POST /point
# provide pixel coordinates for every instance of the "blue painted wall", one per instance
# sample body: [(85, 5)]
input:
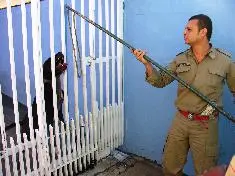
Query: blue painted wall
[(157, 27)]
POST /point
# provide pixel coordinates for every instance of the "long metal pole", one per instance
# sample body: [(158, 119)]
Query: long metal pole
[(181, 81)]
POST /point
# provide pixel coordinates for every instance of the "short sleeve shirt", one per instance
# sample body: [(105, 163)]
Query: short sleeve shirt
[(208, 77)]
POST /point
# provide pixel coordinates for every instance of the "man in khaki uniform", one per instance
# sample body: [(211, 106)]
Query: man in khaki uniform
[(195, 125)]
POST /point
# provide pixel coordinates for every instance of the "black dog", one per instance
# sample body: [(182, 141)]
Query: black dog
[(60, 67)]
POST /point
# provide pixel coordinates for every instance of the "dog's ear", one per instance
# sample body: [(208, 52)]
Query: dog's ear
[(59, 58), (60, 66)]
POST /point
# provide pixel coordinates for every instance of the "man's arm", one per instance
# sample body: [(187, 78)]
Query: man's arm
[(139, 54), (153, 76)]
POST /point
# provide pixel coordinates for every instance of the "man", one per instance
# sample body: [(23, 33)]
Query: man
[(195, 125)]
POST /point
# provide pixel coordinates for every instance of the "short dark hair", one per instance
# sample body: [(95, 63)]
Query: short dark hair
[(203, 22)]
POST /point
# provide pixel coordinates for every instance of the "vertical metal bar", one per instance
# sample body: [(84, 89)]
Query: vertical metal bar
[(4, 137), (84, 86), (95, 119), (51, 19), (27, 157), (27, 82), (36, 59), (43, 166), (53, 160), (109, 108), (65, 78), (122, 122), (107, 51), (75, 76), (107, 14), (100, 52), (113, 53), (105, 130), (91, 137), (101, 137), (83, 60), (78, 141), (39, 46), (113, 126), (92, 55), (41, 169), (118, 51), (116, 126), (120, 125), (87, 132), (119, 58), (92, 70), (14, 161), (42, 117), (121, 71), (101, 122), (65, 84), (115, 122), (64, 148), (68, 133), (83, 142), (113, 71), (74, 146), (14, 90)]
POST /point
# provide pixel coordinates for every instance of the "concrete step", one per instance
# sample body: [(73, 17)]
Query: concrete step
[(8, 110)]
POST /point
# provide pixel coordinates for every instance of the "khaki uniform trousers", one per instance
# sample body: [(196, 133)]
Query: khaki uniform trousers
[(201, 137)]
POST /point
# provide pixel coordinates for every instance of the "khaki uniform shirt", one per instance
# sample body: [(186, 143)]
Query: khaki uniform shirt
[(208, 77)]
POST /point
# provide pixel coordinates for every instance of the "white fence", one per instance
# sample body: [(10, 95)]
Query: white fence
[(66, 149)]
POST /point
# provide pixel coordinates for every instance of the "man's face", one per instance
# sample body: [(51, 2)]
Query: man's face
[(192, 35)]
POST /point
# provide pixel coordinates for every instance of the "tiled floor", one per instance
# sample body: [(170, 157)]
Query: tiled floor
[(131, 166)]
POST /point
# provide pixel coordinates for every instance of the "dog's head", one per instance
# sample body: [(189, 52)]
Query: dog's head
[(60, 66)]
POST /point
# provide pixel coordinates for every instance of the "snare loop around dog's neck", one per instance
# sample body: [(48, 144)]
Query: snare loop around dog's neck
[(74, 49)]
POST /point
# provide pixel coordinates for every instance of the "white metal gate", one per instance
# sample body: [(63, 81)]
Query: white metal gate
[(85, 138)]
